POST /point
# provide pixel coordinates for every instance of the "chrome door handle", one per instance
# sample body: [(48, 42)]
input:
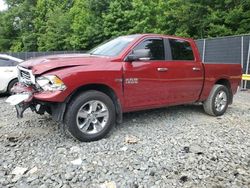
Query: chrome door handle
[(196, 69), (161, 69)]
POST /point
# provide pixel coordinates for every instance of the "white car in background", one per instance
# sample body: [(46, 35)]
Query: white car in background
[(8, 72)]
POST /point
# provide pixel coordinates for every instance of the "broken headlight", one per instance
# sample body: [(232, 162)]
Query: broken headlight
[(50, 83)]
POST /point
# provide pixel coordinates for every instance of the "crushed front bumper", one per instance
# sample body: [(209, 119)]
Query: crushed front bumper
[(21, 99), (25, 97)]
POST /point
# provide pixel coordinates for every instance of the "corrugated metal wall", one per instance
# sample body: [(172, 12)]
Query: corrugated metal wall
[(232, 49), (223, 50)]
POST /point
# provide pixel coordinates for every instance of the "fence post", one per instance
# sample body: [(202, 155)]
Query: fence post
[(242, 57), (247, 65), (204, 51)]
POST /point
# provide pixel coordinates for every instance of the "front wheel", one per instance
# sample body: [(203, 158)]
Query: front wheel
[(217, 101), (90, 116)]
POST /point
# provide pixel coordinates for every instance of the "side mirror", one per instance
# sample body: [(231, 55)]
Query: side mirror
[(141, 55)]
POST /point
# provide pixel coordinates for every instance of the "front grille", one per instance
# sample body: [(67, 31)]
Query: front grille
[(25, 76)]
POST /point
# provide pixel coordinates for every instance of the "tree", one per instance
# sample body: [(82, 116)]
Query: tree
[(52, 25), (18, 28), (229, 17), (87, 23), (7, 33), (117, 19), (30, 25)]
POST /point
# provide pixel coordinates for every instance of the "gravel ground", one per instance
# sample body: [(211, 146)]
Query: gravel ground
[(173, 147)]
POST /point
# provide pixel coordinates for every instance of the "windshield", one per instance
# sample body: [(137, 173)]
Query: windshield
[(113, 47)]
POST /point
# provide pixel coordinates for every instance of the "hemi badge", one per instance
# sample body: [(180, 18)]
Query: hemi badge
[(131, 80)]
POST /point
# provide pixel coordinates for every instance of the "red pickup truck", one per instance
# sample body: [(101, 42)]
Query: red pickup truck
[(88, 93)]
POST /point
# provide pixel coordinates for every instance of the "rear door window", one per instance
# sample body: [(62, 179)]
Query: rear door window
[(181, 50)]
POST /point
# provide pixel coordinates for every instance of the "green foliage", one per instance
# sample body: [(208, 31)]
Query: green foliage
[(52, 25), (117, 19), (87, 23), (17, 29), (46, 25)]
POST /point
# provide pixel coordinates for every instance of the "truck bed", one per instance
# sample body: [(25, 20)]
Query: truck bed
[(214, 72)]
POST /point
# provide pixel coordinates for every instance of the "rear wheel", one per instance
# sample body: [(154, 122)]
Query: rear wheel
[(217, 101), (90, 116), (11, 84)]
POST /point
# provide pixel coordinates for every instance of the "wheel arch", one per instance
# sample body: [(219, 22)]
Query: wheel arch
[(225, 82), (11, 82), (102, 88)]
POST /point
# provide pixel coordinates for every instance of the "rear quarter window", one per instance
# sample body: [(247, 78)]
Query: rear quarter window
[(181, 50)]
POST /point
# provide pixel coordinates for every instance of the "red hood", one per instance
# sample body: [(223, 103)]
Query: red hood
[(46, 63)]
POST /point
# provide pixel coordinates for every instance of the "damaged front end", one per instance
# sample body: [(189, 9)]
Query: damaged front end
[(31, 91), (22, 98), (23, 92)]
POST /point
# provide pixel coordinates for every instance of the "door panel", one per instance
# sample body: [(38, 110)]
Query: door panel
[(141, 79), (182, 82), (142, 84)]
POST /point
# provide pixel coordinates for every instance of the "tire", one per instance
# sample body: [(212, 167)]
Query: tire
[(11, 84), (90, 116), (217, 101)]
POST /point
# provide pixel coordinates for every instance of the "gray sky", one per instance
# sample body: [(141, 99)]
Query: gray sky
[(2, 5)]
